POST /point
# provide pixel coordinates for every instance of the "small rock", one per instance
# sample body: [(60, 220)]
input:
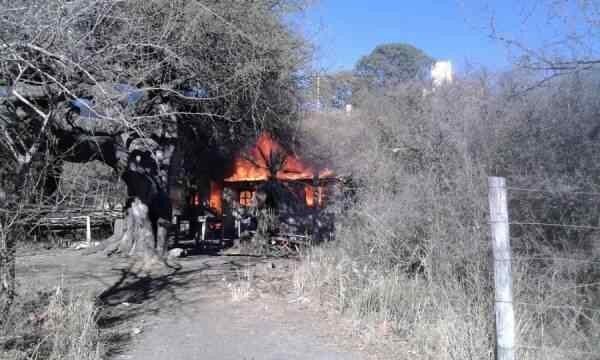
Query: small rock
[(267, 266), (136, 331), (177, 252), (79, 245)]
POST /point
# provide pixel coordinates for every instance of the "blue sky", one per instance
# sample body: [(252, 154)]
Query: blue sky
[(457, 30)]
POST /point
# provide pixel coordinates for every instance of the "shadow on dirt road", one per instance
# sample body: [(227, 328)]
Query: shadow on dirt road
[(212, 307)]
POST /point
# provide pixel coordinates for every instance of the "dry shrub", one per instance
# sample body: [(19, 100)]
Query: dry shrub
[(412, 250), (432, 321), (243, 287), (557, 307), (52, 325)]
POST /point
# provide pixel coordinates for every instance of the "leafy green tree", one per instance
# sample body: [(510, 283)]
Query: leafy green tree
[(391, 64)]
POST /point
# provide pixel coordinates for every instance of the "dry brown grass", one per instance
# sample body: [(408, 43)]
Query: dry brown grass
[(244, 286), (53, 325), (412, 265), (417, 316)]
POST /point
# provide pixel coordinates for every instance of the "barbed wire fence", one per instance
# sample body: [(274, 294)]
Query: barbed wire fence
[(547, 305)]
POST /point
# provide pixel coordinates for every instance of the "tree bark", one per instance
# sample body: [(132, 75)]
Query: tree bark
[(161, 237), (53, 174), (125, 242), (148, 206), (7, 270), (8, 240), (141, 231)]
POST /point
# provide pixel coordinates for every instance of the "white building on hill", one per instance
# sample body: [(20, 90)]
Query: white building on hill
[(441, 73)]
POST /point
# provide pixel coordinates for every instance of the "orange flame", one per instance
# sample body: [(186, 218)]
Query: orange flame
[(215, 200), (313, 194), (310, 195), (254, 164), (196, 200)]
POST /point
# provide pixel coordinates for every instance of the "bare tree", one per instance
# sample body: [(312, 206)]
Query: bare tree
[(551, 38), (131, 83)]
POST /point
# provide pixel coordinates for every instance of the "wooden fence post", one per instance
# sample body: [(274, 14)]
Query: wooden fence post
[(505, 318), (88, 230)]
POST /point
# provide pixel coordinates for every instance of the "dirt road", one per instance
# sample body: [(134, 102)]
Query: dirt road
[(214, 307)]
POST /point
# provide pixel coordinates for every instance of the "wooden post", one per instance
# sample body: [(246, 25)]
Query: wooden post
[(88, 230), (175, 221), (202, 236), (505, 319), (119, 227), (318, 92)]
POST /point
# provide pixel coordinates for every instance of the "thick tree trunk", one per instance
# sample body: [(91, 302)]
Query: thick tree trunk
[(161, 237), (9, 236), (138, 241), (148, 208), (7, 270), (126, 240), (141, 231)]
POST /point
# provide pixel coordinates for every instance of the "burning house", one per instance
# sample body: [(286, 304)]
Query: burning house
[(264, 175)]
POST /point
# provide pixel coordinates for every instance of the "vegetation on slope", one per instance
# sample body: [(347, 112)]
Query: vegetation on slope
[(412, 256)]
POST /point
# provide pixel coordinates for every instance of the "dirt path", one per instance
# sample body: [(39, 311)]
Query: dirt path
[(214, 307)]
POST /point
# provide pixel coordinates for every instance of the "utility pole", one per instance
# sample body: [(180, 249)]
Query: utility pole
[(318, 100)]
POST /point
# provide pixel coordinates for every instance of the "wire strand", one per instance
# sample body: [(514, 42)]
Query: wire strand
[(558, 307), (574, 227), (555, 349), (585, 193), (552, 258)]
